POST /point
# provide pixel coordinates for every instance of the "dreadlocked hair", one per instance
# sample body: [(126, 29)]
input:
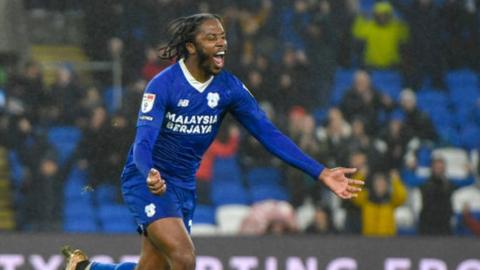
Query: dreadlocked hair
[(183, 30)]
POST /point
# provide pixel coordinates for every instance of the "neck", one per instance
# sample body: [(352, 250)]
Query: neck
[(194, 68)]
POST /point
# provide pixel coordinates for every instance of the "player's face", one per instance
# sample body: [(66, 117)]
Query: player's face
[(211, 46)]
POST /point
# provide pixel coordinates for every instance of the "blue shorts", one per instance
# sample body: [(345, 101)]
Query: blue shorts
[(148, 207)]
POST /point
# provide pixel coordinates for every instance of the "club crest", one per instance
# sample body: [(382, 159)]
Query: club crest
[(147, 102), (213, 99)]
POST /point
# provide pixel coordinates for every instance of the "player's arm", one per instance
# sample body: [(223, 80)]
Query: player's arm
[(149, 123), (246, 110)]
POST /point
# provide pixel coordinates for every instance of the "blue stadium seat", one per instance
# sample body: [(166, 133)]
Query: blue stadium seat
[(64, 140), (226, 170), (76, 185), (262, 193), (109, 99), (204, 214), (115, 218), (461, 78), (229, 193), (464, 97), (342, 82), (469, 137), (127, 226), (460, 226), (449, 135), (16, 171), (388, 82), (105, 194), (263, 176), (80, 226), (432, 98), (78, 209), (424, 156)]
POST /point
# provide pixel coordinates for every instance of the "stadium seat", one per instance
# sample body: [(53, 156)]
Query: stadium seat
[(76, 185), (263, 176), (109, 99), (226, 170), (456, 161), (405, 220), (64, 140), (115, 218), (230, 217), (229, 193), (342, 82), (105, 194), (262, 193), (80, 226), (16, 171), (449, 135), (204, 230), (204, 214), (461, 78), (469, 137), (467, 195), (388, 82), (461, 228), (464, 97)]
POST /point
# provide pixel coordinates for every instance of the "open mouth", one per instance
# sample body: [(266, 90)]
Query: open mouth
[(218, 59)]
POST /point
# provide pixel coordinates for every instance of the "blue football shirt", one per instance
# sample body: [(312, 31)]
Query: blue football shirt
[(179, 118)]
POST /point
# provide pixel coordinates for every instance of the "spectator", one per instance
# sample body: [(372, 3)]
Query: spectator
[(417, 123), (299, 184), (425, 45), (322, 222), (383, 37), (394, 136), (64, 96), (362, 100), (378, 203), (334, 139), (437, 209), (321, 50), (460, 31), (269, 217), (360, 142), (28, 89), (91, 154), (46, 196), (252, 152), (353, 219), (153, 64)]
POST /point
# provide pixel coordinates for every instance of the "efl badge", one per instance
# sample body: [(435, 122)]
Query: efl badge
[(147, 102), (213, 99)]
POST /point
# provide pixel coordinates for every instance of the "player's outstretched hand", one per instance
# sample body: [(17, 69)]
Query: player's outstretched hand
[(339, 183), (155, 182)]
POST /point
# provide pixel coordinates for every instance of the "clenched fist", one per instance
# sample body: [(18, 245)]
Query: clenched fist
[(155, 182)]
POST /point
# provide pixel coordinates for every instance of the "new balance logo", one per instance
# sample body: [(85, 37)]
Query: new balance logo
[(183, 103)]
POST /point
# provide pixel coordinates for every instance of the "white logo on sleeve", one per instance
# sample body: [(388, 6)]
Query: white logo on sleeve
[(213, 99), (147, 102), (150, 210)]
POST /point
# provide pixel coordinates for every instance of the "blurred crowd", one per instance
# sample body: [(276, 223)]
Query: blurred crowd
[(288, 53)]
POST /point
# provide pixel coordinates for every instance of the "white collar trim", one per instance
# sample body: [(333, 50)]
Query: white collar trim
[(199, 86)]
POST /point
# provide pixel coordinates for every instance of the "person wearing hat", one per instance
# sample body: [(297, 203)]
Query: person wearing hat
[(383, 37)]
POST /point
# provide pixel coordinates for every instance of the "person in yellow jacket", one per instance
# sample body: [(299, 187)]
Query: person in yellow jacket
[(378, 204), (383, 37)]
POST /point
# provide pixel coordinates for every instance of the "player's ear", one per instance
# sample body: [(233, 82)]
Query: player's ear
[(191, 48)]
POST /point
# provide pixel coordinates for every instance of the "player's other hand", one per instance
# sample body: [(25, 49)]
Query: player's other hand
[(336, 179), (155, 182)]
